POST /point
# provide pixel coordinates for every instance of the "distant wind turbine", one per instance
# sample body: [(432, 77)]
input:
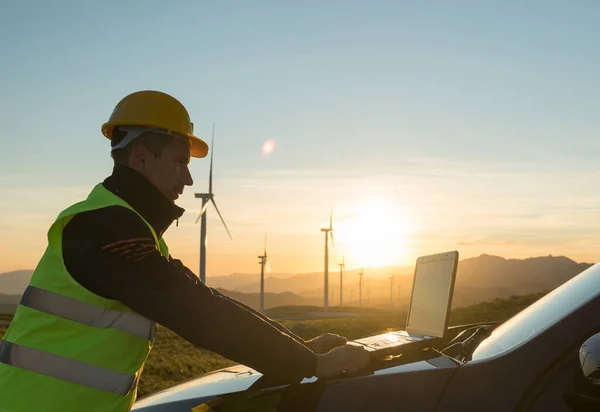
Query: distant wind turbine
[(328, 233), (207, 197), (360, 286), (342, 267), (392, 290), (264, 262)]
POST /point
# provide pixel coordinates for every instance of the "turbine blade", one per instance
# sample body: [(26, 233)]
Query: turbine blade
[(265, 244), (268, 266), (202, 211), (210, 173), (332, 242), (330, 217), (222, 220)]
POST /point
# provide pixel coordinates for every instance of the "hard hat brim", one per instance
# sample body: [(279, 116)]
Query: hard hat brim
[(198, 147)]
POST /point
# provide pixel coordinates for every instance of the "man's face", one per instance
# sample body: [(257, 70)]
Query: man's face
[(168, 171)]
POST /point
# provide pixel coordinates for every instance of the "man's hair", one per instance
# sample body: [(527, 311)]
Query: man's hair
[(155, 142)]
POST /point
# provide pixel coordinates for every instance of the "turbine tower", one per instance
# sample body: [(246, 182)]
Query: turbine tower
[(360, 285), (264, 261), (328, 233), (207, 197), (342, 267)]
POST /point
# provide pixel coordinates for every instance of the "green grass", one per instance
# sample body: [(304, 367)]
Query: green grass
[(497, 310), (283, 311), (173, 360)]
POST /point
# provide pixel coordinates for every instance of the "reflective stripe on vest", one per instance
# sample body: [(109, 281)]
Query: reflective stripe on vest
[(81, 312), (65, 369)]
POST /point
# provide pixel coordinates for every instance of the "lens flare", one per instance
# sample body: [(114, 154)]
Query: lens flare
[(268, 147)]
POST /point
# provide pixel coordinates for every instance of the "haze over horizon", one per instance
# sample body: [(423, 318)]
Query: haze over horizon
[(466, 126)]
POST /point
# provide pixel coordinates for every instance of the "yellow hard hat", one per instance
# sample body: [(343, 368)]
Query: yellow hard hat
[(154, 109)]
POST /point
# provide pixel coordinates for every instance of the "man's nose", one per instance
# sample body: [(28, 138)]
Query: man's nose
[(187, 177)]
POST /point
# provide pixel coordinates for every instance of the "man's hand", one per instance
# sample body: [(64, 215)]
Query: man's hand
[(347, 358), (325, 342)]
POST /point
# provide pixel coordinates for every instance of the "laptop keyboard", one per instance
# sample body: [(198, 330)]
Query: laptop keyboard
[(386, 340)]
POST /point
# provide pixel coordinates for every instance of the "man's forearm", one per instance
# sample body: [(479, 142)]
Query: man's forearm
[(274, 323)]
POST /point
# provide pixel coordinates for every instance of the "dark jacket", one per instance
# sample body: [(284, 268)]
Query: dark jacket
[(111, 252)]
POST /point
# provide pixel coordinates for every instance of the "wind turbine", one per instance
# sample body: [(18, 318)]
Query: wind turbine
[(360, 284), (207, 197), (392, 290), (342, 267), (264, 261), (328, 233)]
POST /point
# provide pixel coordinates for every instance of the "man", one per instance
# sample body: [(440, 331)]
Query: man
[(86, 323)]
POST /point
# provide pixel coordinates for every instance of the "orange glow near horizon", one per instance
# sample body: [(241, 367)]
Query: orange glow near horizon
[(376, 235)]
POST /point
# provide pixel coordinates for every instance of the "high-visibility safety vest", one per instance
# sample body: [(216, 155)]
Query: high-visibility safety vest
[(68, 349)]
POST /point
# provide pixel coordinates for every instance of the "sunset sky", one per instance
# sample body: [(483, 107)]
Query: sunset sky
[(428, 126)]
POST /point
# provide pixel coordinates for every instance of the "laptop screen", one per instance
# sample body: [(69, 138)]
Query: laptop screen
[(432, 291)]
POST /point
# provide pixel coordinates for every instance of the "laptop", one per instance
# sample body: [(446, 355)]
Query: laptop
[(428, 312)]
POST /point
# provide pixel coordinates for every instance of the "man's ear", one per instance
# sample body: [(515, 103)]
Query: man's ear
[(138, 158)]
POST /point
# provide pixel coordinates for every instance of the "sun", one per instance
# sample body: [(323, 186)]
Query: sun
[(375, 234)]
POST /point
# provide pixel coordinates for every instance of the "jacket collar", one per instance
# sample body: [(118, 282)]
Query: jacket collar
[(144, 197)]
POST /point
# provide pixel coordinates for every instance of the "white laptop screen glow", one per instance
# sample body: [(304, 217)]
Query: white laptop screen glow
[(431, 292)]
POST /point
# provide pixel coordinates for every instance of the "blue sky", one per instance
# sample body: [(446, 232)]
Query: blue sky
[(462, 125)]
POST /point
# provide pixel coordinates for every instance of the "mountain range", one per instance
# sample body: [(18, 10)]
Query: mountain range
[(478, 279)]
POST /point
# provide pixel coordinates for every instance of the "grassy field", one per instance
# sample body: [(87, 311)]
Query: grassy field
[(174, 360)]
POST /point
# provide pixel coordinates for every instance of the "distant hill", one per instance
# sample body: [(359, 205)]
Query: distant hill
[(14, 283), (532, 273), (481, 278), (301, 282), (9, 303), (490, 277)]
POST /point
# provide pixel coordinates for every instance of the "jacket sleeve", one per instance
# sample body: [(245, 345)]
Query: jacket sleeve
[(111, 252), (275, 324)]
